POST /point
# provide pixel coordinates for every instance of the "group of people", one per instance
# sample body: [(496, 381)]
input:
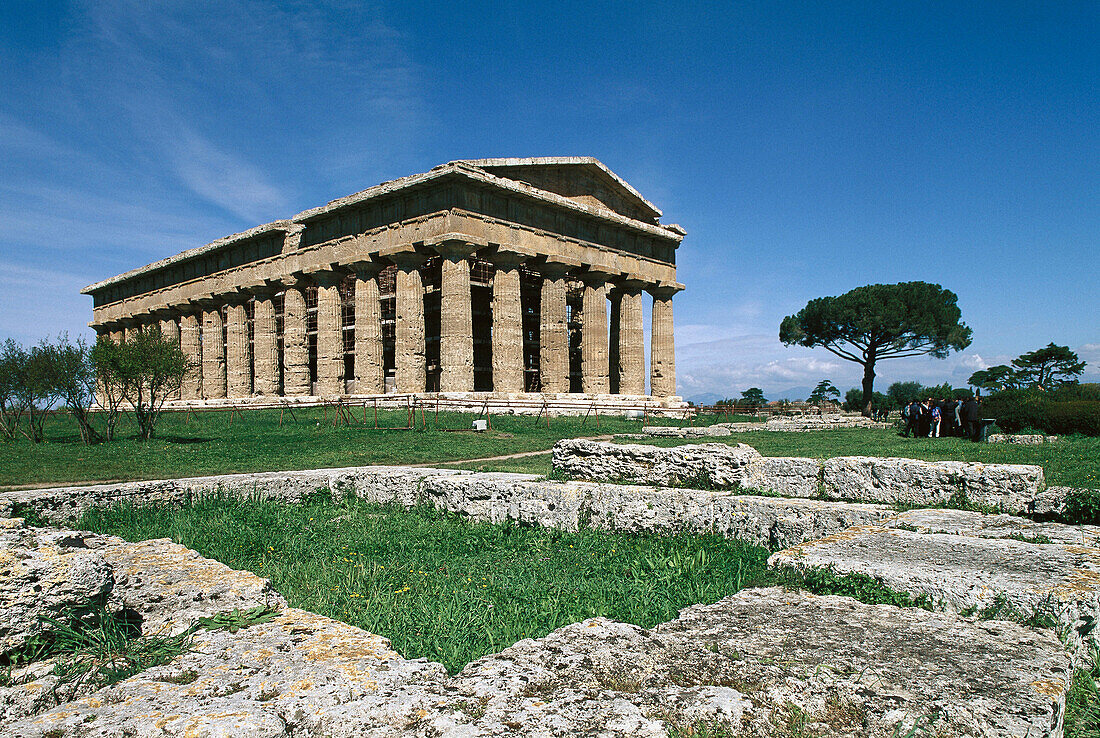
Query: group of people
[(935, 418)]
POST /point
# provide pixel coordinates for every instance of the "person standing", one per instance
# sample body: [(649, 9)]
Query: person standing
[(972, 414), (937, 418), (911, 415), (949, 407)]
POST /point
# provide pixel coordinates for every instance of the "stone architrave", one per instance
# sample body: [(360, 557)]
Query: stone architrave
[(369, 378), (409, 348), (191, 345), (662, 373), (213, 354), (295, 345), (456, 328), (238, 351), (627, 339), (330, 335), (265, 346), (553, 329), (170, 331), (507, 324), (594, 355)]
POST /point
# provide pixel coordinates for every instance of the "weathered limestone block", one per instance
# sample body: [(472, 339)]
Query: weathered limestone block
[(170, 585), (292, 676), (1052, 500), (266, 347), (1011, 487), (553, 332), (45, 573), (456, 333), (238, 352), (703, 431), (595, 373), (369, 379), (819, 422), (191, 345), (330, 337), (711, 464), (1022, 439), (965, 573), (790, 476), (213, 354), (295, 345), (966, 523), (507, 326), (854, 670)]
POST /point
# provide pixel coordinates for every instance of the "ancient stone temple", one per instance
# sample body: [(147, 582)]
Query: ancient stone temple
[(490, 275)]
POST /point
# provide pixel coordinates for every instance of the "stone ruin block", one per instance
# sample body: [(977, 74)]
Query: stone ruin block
[(912, 482)]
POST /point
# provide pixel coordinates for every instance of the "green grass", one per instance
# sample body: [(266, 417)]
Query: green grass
[(212, 443), (438, 585)]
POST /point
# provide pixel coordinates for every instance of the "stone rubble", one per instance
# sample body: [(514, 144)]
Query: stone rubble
[(1022, 439)]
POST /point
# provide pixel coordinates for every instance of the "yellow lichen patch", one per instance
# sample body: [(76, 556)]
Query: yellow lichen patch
[(1077, 582), (1049, 687), (10, 523)]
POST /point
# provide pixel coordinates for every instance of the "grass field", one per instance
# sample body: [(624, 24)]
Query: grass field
[(439, 586), (213, 443)]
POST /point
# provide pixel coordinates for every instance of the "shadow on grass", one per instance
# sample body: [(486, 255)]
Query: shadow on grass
[(184, 439)]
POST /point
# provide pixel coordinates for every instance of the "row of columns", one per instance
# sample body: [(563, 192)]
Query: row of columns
[(235, 366)]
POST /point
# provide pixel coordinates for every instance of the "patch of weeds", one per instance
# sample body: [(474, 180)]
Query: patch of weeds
[(922, 726), (795, 721), (621, 683), (584, 517), (1038, 539), (699, 480), (267, 694), (235, 619), (1001, 609), (960, 500), (862, 587), (31, 517), (1082, 507), (93, 647), (1083, 700), (474, 709), (184, 677), (699, 729)]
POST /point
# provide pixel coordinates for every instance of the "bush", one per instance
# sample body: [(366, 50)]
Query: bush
[(1016, 410)]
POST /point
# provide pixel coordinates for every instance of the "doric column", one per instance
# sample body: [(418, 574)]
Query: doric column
[(369, 378), (627, 350), (117, 333), (553, 329), (295, 346), (594, 360), (409, 349), (456, 326), (238, 352), (507, 324), (130, 326), (213, 353), (265, 345), (330, 335), (662, 372), (191, 345), (170, 331)]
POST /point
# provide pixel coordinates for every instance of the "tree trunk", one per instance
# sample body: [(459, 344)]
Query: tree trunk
[(868, 387)]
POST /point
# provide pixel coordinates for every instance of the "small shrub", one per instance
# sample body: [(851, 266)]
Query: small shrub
[(861, 587)]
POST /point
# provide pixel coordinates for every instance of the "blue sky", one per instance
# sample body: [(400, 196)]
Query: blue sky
[(807, 148)]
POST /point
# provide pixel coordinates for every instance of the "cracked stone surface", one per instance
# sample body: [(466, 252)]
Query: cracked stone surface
[(966, 573), (748, 662), (723, 465)]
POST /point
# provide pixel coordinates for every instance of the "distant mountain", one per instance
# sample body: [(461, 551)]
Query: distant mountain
[(705, 398), (791, 393)]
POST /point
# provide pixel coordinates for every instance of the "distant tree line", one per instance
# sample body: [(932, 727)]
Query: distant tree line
[(94, 384)]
